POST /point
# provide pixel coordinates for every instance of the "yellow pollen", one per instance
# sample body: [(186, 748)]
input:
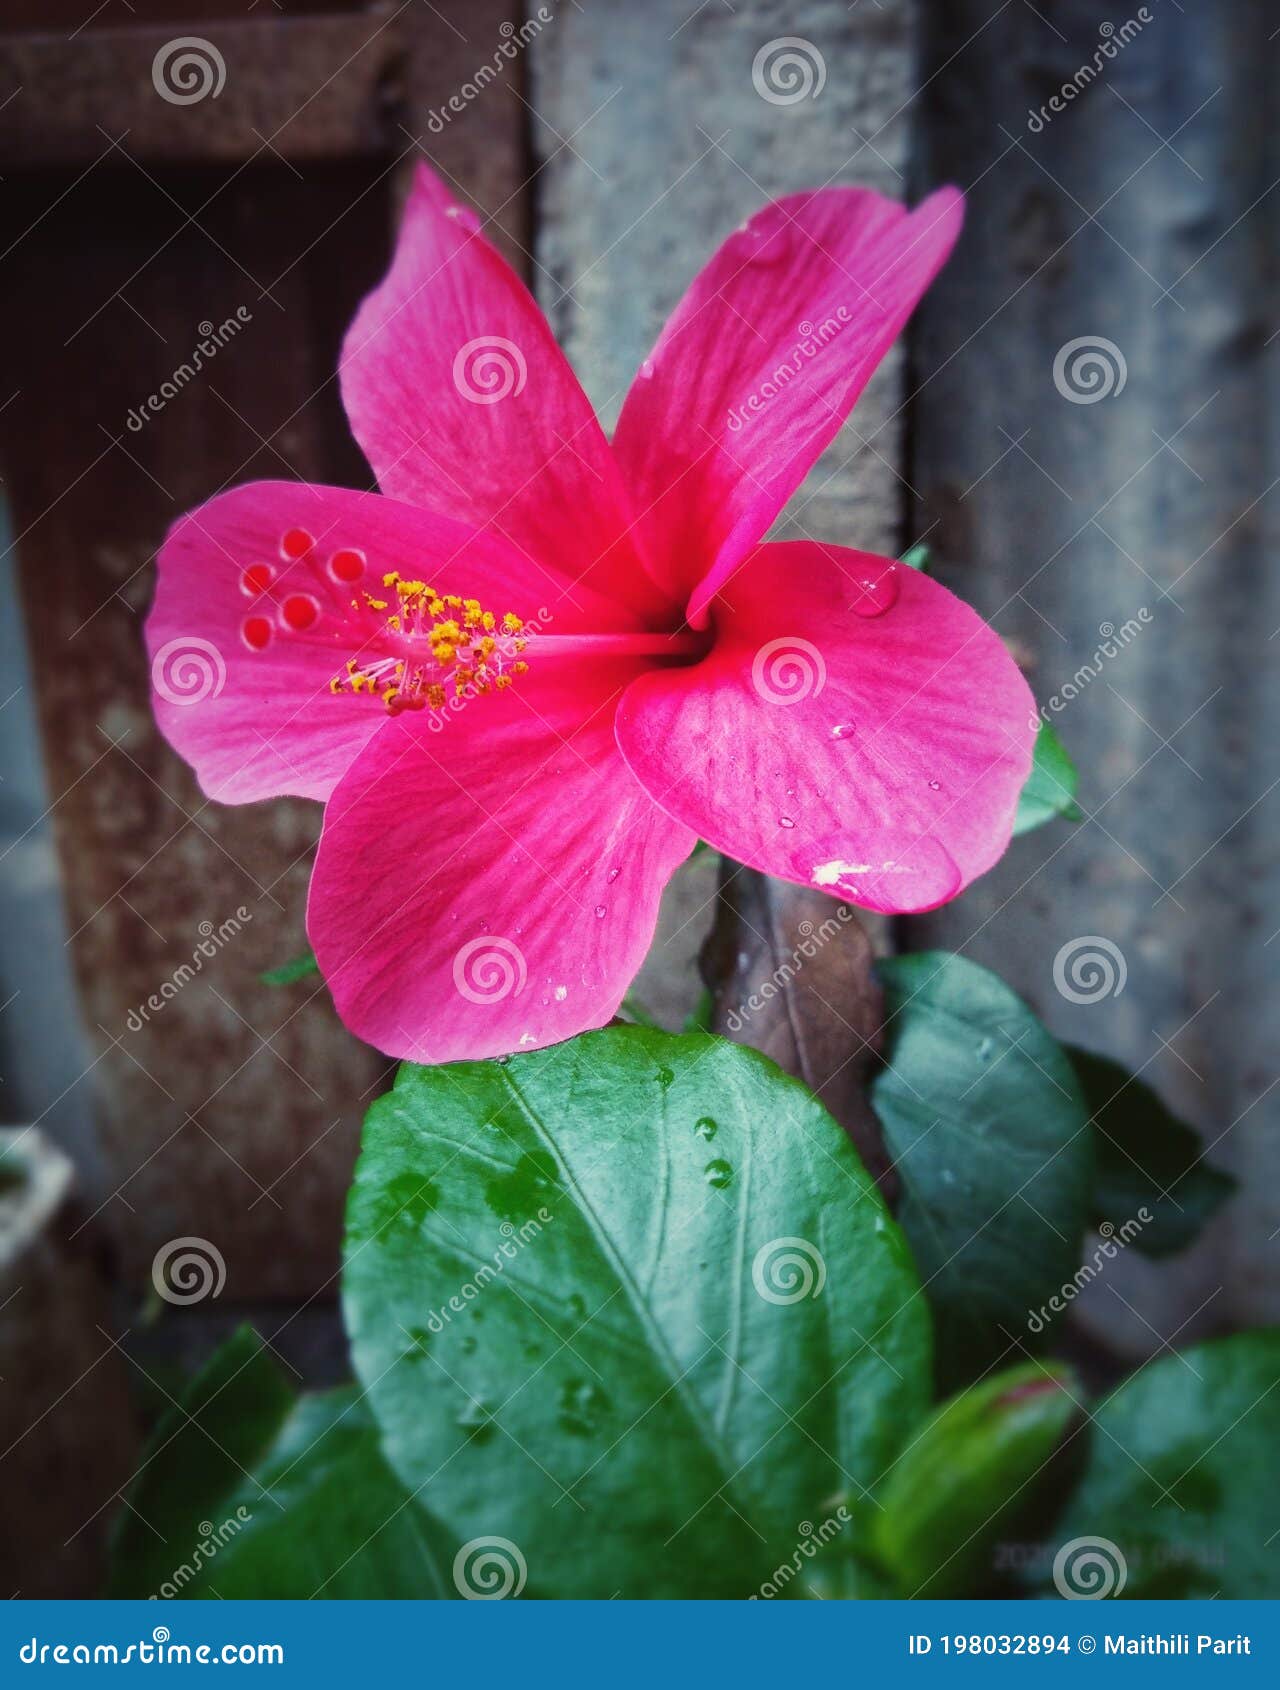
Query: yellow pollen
[(427, 638)]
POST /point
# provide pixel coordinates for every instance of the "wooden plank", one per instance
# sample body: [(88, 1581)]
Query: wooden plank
[(1141, 212), (305, 87), (623, 227), (66, 1423), (231, 1112)]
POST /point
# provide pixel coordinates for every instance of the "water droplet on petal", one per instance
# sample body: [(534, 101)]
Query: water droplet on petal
[(646, 369), (842, 730), (875, 590), (613, 874), (706, 1128), (718, 1173), (786, 821), (600, 912), (464, 215), (935, 786)]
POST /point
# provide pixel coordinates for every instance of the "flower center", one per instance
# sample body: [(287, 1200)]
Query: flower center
[(433, 644), (419, 649)]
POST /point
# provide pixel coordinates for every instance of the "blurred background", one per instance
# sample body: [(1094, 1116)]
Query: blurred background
[(1080, 424)]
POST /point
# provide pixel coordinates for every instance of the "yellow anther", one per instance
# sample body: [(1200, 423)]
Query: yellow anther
[(511, 623)]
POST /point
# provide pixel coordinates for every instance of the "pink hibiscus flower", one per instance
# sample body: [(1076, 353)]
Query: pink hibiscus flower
[(529, 674)]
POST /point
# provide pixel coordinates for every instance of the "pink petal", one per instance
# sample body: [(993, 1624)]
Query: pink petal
[(255, 723), (760, 364), (462, 401), (491, 886), (878, 756)]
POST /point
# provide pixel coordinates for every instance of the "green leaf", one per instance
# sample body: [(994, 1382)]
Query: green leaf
[(1050, 789), (261, 1494), (324, 1516), (296, 969), (982, 1113), (973, 1467), (1177, 1478), (917, 558), (1147, 1159), (632, 1305), (199, 1451)]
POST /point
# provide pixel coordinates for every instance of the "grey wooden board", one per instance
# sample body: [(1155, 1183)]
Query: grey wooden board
[(1144, 212), (654, 144)]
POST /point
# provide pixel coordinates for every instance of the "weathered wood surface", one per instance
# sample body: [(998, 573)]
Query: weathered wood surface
[(654, 144), (231, 1112), (1144, 212), (66, 1423)]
